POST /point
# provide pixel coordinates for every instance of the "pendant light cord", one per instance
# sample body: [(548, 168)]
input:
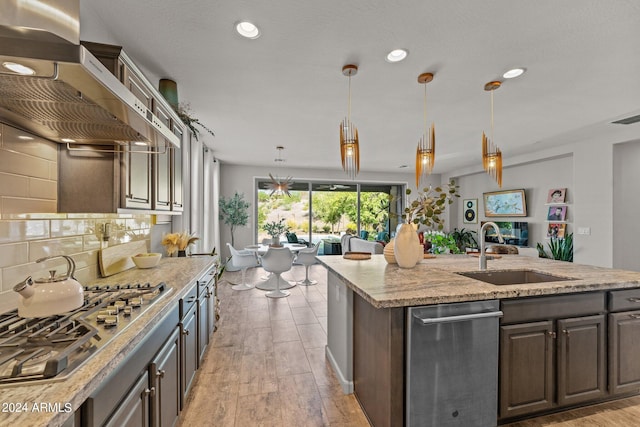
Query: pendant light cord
[(492, 140), (425, 109)]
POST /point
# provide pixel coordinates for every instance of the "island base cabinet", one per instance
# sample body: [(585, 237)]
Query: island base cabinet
[(582, 365), (552, 361), (624, 347), (526, 368)]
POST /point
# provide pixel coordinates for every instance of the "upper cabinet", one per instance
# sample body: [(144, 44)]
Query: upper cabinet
[(141, 176)]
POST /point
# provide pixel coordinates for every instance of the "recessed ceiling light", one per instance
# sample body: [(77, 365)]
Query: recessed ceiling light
[(397, 55), (248, 30), (513, 73), (19, 68), (68, 140)]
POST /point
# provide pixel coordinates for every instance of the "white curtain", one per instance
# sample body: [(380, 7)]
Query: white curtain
[(211, 187)]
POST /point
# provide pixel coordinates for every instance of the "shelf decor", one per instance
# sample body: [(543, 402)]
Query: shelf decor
[(505, 203), (556, 195)]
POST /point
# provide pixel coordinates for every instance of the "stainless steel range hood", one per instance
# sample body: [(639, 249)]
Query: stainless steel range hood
[(70, 95)]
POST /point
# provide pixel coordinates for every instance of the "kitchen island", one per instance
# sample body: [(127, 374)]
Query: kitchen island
[(54, 403), (367, 318)]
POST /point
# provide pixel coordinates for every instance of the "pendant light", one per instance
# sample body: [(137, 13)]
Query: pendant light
[(491, 154), (277, 186), (349, 143), (426, 151)]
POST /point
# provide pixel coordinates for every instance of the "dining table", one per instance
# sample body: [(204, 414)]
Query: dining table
[(269, 284)]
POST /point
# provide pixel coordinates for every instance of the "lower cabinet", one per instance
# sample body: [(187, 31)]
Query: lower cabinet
[(150, 387), (189, 335), (164, 373), (134, 409), (552, 361), (624, 341)]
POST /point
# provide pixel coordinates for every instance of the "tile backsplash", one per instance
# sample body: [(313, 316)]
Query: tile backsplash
[(24, 238), (29, 183)]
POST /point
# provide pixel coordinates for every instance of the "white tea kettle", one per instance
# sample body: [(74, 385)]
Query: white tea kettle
[(52, 295)]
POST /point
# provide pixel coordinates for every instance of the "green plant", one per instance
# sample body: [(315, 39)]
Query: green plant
[(464, 238), (430, 204), (561, 249), (234, 211), (184, 113), (441, 242), (275, 229)]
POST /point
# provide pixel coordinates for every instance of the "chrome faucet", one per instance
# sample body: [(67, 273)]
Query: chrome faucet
[(483, 230)]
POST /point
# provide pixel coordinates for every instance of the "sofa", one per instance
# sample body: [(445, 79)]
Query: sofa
[(496, 248), (355, 244)]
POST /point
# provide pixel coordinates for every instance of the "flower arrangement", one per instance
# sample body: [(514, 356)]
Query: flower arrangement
[(429, 205), (275, 229), (174, 242)]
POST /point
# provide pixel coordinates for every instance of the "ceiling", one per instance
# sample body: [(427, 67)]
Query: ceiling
[(582, 60)]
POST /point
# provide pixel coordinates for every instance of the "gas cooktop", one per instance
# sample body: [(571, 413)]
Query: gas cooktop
[(51, 348)]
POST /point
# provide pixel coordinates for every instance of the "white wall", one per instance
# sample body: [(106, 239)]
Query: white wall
[(626, 202), (536, 178)]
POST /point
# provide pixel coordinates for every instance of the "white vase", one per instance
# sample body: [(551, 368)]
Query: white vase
[(405, 246), (388, 252)]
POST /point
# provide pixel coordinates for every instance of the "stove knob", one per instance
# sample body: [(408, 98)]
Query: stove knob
[(127, 310)]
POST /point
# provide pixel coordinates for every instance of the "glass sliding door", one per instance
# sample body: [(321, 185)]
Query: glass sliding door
[(294, 210), (324, 211)]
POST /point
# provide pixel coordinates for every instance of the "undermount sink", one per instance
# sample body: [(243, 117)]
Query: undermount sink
[(513, 277)]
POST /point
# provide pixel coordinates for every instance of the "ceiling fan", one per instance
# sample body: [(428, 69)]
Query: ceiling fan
[(333, 187)]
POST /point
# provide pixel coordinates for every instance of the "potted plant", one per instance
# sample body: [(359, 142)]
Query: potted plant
[(425, 209), (561, 249), (234, 211), (178, 242), (275, 229), (442, 243), (464, 239)]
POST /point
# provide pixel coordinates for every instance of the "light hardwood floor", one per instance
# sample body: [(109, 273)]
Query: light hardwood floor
[(266, 367)]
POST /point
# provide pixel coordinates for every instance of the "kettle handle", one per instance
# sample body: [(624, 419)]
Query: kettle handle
[(71, 264)]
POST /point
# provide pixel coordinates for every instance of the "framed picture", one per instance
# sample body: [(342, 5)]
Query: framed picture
[(556, 195), (557, 213), (505, 203), (470, 211), (556, 230)]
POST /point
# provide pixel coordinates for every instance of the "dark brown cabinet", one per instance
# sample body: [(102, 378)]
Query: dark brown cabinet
[(527, 374), (549, 359), (624, 341)]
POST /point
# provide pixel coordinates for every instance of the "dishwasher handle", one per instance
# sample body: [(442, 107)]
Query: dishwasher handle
[(460, 318)]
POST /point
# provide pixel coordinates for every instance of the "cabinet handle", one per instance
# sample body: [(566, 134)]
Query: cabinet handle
[(552, 334), (564, 331), (632, 299), (191, 299), (185, 332), (160, 373), (150, 391)]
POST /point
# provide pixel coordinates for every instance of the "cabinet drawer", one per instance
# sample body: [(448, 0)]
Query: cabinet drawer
[(188, 301), (628, 299), (552, 307)]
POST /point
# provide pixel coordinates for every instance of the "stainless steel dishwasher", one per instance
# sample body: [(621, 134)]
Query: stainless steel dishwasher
[(452, 364)]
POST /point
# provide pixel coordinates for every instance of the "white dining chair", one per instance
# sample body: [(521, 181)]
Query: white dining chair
[(277, 261), (243, 260), (307, 257)]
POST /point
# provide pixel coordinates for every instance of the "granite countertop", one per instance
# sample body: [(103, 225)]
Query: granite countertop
[(19, 403), (433, 281)]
